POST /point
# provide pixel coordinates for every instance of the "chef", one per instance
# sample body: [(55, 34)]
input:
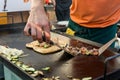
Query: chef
[(95, 20)]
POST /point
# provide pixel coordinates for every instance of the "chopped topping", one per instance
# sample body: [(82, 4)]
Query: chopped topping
[(87, 78), (82, 50), (44, 45), (47, 45), (46, 68), (52, 78), (13, 55)]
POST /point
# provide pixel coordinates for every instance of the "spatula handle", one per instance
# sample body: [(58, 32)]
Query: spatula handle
[(104, 47)]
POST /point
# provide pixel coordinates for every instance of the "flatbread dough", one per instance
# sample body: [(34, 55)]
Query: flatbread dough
[(51, 49), (35, 46), (32, 44)]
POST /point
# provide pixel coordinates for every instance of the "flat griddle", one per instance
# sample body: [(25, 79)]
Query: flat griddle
[(62, 64)]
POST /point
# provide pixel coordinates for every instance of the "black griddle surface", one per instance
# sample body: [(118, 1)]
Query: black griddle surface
[(61, 64)]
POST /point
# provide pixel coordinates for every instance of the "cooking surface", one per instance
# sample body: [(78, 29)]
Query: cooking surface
[(62, 64)]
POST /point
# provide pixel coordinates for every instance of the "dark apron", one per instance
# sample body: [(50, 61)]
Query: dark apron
[(100, 35)]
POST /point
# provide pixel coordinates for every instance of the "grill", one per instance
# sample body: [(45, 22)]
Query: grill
[(62, 64)]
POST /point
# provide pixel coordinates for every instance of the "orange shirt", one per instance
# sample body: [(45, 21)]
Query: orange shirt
[(95, 13)]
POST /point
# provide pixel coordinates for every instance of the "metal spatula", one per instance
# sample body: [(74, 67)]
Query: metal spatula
[(105, 46)]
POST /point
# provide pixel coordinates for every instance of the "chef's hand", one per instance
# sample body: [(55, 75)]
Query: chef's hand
[(38, 23)]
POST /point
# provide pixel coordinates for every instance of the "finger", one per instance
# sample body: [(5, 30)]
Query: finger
[(47, 33), (38, 32), (26, 29), (33, 33), (50, 26), (47, 36)]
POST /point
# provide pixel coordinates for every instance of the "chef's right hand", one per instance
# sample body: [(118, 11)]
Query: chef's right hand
[(38, 23)]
